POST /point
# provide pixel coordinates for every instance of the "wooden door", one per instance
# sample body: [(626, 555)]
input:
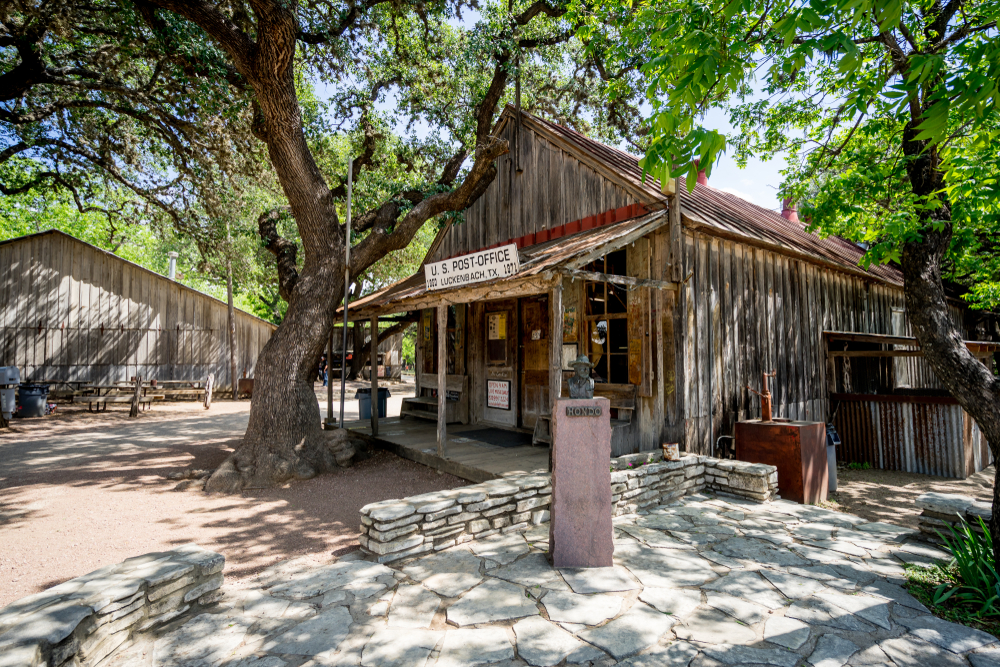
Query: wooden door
[(500, 338), (534, 359)]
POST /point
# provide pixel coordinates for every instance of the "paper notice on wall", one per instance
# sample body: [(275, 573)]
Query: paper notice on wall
[(496, 326), (498, 394)]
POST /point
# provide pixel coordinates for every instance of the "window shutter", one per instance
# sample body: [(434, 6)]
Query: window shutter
[(640, 356)]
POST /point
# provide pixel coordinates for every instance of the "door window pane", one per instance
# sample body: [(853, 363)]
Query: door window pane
[(596, 299), (617, 298), (618, 336), (619, 368)]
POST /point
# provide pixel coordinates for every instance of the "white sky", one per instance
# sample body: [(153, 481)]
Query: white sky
[(758, 183)]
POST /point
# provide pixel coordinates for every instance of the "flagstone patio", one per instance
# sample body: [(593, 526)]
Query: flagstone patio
[(703, 582)]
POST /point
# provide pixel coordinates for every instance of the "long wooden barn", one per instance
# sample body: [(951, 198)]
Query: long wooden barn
[(681, 299), (70, 311)]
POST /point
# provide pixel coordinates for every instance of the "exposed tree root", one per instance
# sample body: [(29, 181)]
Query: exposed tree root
[(263, 465)]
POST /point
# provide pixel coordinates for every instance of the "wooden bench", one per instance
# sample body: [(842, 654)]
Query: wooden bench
[(91, 401), (456, 409), (623, 404)]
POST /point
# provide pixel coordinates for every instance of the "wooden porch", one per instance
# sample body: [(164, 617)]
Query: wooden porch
[(469, 458)]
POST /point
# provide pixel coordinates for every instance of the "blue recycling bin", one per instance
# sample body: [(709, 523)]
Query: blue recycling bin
[(364, 396)]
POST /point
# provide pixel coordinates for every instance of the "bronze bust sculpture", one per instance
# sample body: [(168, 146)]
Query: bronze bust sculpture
[(581, 385)]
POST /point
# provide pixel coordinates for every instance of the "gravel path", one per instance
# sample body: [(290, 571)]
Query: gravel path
[(887, 495), (83, 491)]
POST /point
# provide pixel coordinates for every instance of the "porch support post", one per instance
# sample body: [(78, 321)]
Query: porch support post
[(442, 373), (374, 378), (329, 423), (555, 344)]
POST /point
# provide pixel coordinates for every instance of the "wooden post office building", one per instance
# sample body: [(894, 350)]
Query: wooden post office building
[(680, 300)]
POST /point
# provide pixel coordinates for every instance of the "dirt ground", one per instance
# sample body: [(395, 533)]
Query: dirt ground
[(82, 490), (886, 495)]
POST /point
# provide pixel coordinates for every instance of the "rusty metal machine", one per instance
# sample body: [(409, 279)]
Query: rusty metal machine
[(796, 448), (765, 397)]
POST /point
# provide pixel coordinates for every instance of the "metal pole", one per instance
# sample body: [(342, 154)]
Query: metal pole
[(442, 378), (329, 383), (347, 287), (374, 376)]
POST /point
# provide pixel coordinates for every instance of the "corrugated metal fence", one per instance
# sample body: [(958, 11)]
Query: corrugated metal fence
[(922, 434)]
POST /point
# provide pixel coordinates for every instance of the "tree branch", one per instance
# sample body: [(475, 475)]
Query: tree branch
[(284, 251)]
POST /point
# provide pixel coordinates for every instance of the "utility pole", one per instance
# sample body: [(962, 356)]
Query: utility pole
[(347, 287), (231, 311)]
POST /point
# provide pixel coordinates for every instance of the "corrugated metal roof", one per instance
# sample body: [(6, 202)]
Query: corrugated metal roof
[(725, 211), (706, 206), (172, 283), (568, 252)]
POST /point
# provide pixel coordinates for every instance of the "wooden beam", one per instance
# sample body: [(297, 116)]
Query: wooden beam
[(870, 338), (676, 230), (555, 345), (985, 347), (618, 280), (442, 371), (373, 362), (506, 289), (659, 410), (890, 353)]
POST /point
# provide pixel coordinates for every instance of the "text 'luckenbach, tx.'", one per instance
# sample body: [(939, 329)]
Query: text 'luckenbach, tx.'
[(480, 266)]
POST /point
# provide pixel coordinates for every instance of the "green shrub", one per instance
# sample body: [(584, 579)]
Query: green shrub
[(975, 582), (860, 466)]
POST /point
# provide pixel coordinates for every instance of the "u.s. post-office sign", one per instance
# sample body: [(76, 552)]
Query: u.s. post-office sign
[(474, 268)]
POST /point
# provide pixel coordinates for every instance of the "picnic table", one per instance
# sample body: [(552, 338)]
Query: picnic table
[(72, 386), (181, 387), (97, 395), (100, 395)]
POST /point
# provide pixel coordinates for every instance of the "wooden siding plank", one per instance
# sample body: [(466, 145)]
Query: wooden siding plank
[(704, 361), (716, 407)]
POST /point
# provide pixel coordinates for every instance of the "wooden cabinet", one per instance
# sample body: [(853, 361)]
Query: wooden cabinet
[(797, 449)]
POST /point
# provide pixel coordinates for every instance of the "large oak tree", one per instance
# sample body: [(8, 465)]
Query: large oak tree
[(167, 97)]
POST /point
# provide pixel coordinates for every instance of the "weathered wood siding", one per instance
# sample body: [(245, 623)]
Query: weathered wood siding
[(70, 311), (552, 189), (745, 310)]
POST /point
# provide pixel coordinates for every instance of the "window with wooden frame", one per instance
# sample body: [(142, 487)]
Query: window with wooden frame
[(606, 318)]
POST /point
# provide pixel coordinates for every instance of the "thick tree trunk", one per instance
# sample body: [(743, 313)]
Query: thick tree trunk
[(284, 438), (972, 384)]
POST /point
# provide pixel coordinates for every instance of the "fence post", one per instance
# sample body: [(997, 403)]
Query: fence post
[(208, 390), (134, 410)]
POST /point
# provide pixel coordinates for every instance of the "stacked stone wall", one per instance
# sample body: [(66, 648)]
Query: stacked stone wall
[(939, 511), (84, 620), (395, 529)]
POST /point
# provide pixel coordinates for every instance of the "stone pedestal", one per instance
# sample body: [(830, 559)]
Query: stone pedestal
[(580, 532)]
